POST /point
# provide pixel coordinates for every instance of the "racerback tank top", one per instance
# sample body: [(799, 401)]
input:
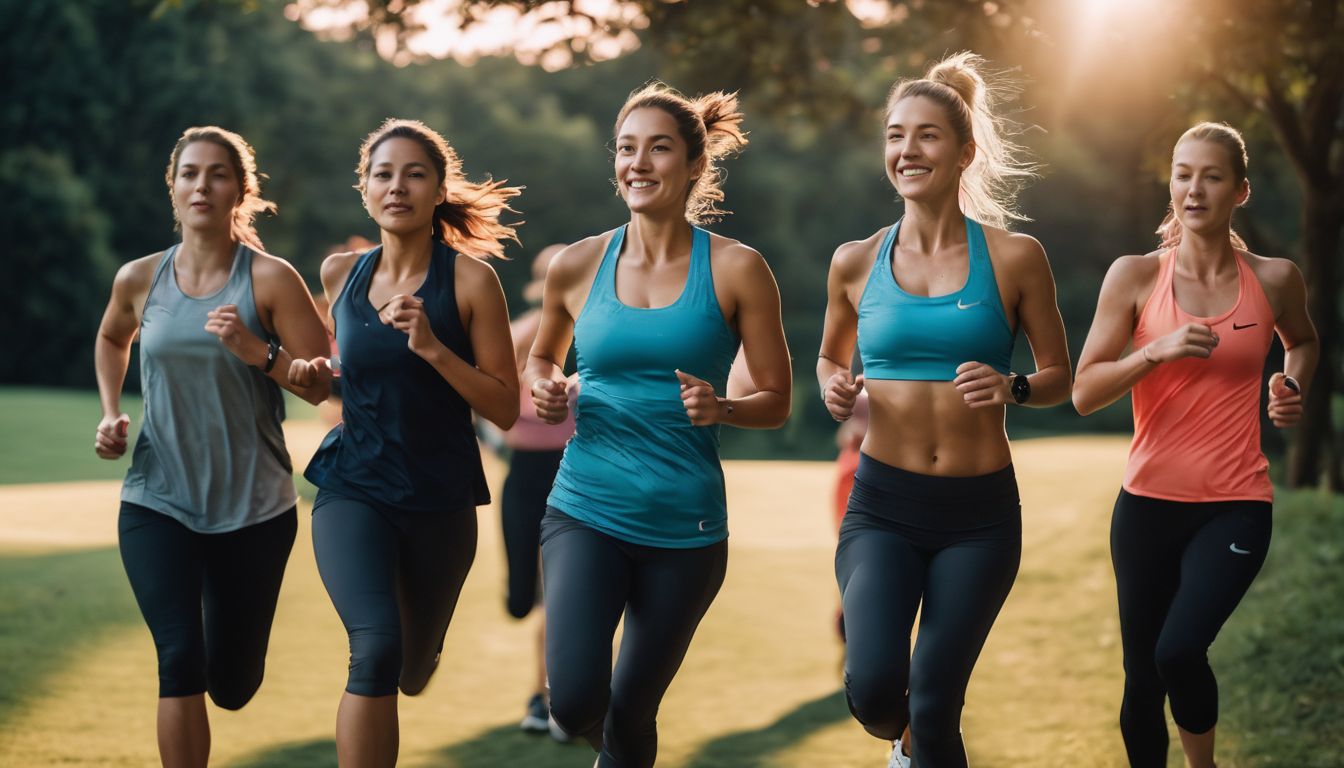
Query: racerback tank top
[(211, 453), (1197, 420)]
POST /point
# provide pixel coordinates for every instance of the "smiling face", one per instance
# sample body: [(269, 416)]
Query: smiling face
[(402, 188), (652, 170), (924, 158), (206, 187), (1205, 189)]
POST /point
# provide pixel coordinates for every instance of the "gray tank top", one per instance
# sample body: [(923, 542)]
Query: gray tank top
[(210, 453)]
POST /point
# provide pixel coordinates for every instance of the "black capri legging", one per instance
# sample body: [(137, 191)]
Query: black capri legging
[(394, 577), (208, 598), (1181, 568), (950, 543), (531, 475), (591, 579)]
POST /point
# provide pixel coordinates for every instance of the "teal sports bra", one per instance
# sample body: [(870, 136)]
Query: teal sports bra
[(924, 338)]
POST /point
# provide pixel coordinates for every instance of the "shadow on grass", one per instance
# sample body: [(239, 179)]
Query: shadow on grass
[(318, 753), (750, 749), (506, 745), (51, 607)]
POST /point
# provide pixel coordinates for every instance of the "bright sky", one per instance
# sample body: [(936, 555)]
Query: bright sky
[(540, 36)]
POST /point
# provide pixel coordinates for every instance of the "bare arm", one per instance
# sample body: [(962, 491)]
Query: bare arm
[(283, 299), (764, 347), (544, 370), (490, 386), (1302, 350), (112, 351), (1038, 315), (839, 388), (1105, 372)]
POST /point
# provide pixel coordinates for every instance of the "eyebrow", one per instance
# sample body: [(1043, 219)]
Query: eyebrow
[(194, 166), (661, 136), (408, 165), (1187, 167), (920, 127)]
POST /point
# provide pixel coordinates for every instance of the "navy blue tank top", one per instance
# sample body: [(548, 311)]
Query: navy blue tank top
[(405, 439)]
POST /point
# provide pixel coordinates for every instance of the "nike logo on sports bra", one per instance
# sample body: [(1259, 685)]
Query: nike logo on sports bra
[(1233, 547), (1236, 327), (968, 306)]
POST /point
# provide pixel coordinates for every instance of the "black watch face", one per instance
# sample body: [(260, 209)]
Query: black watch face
[(1021, 388)]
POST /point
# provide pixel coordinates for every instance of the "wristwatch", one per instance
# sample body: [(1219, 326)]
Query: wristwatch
[(1021, 388)]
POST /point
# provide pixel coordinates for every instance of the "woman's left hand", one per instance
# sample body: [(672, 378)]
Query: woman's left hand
[(697, 395), (981, 386), (1285, 402), (406, 313), (224, 322)]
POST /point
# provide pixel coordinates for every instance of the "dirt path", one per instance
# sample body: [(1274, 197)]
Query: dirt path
[(757, 689)]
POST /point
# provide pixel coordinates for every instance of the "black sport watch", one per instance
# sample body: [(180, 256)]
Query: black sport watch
[(1021, 388)]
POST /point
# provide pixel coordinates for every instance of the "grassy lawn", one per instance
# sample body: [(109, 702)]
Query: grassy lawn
[(760, 687), (48, 434)]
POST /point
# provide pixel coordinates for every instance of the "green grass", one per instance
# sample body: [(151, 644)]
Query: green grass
[(52, 606), (1280, 659), (48, 434)]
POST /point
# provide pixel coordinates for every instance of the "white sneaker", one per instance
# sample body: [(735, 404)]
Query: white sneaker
[(898, 758), (558, 733)]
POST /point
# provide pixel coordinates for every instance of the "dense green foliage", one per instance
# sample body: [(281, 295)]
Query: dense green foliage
[(88, 135)]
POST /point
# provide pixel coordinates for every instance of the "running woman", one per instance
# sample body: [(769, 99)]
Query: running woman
[(424, 337), (1191, 526), (535, 449), (935, 302), (637, 520), (207, 509)]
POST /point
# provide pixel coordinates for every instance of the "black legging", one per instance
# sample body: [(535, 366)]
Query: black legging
[(531, 474), (394, 577), (951, 544), (1181, 568), (591, 579), (208, 598)]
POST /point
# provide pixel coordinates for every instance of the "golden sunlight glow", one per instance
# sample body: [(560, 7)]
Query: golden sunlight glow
[(547, 35)]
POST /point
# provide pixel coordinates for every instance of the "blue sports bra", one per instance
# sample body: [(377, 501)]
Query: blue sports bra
[(925, 338)]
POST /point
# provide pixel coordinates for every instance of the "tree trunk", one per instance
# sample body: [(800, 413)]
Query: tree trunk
[(1313, 455)]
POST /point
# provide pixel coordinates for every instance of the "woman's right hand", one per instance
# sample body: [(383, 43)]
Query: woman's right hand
[(551, 398), (306, 373), (1190, 340), (110, 440), (841, 391)]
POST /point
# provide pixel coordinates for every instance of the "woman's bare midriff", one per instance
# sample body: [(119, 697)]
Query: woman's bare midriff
[(926, 427)]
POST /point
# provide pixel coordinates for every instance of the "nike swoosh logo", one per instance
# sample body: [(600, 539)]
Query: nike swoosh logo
[(967, 306), (1236, 327), (1233, 547)]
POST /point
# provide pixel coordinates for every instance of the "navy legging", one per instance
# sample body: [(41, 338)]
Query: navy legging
[(591, 580), (1181, 568), (531, 474), (948, 547), (394, 577), (208, 598)]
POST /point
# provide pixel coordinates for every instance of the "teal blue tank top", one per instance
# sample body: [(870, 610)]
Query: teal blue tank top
[(636, 468), (925, 338), (211, 453)]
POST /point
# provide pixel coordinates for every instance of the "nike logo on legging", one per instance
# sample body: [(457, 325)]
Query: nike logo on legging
[(1233, 547)]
